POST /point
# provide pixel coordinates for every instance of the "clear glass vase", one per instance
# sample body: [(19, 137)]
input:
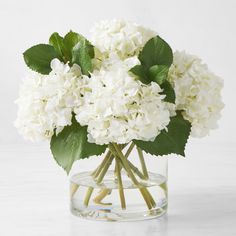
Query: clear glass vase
[(126, 185)]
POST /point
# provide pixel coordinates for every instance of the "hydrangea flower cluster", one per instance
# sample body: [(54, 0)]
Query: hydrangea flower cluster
[(198, 92), (110, 100), (119, 108), (119, 37), (46, 102)]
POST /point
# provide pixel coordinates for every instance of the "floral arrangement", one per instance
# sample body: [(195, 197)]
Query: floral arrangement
[(123, 87)]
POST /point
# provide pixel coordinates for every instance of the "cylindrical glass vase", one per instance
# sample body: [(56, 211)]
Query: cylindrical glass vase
[(125, 184)]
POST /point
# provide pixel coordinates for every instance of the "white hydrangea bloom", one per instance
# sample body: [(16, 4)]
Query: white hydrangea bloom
[(46, 102), (197, 92), (120, 108), (121, 37)]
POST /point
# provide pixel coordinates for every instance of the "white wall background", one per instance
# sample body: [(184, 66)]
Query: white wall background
[(205, 27)]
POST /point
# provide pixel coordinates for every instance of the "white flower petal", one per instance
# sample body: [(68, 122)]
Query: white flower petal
[(197, 92)]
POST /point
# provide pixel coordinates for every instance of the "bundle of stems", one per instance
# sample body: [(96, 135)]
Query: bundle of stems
[(115, 153)]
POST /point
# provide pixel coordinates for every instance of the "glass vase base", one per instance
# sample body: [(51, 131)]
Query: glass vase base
[(102, 202), (118, 215)]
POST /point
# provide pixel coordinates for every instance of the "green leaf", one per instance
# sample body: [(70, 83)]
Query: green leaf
[(168, 91), (57, 42), (71, 144), (158, 73), (139, 70), (70, 40), (173, 141), (39, 57), (156, 58), (156, 52), (82, 55)]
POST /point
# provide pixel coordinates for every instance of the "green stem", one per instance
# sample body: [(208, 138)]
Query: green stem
[(120, 184), (102, 194), (145, 173), (143, 164), (73, 189), (136, 170), (129, 150), (105, 168), (100, 167), (117, 152), (88, 196), (97, 171), (151, 199), (133, 167), (101, 171), (145, 195), (99, 180)]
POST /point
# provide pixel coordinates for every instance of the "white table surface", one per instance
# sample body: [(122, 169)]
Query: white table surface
[(34, 196)]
